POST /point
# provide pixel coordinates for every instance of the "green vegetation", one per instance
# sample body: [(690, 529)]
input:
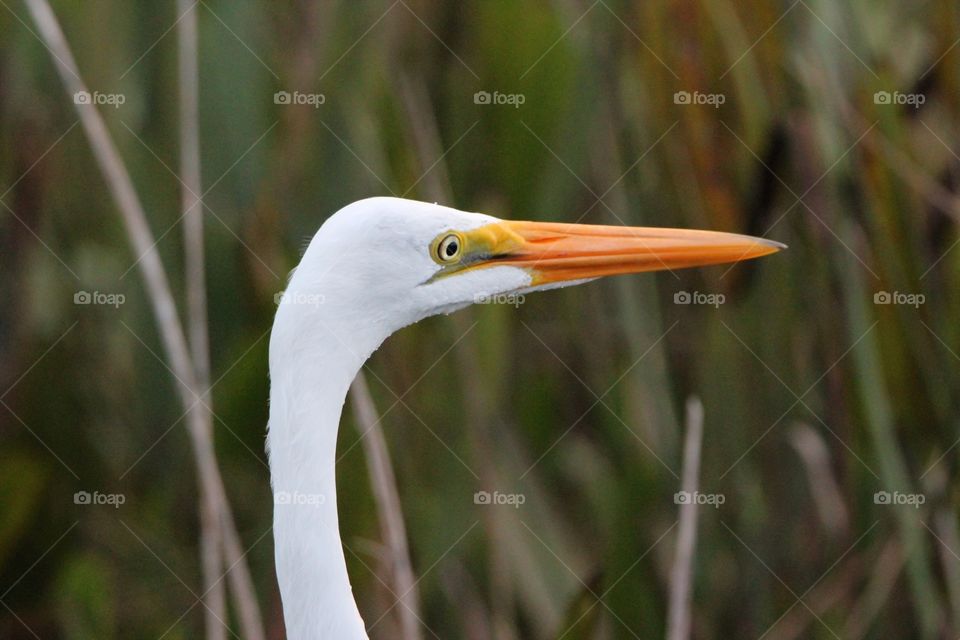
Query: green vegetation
[(828, 373)]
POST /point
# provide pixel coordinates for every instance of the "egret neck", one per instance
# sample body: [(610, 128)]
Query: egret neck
[(308, 387)]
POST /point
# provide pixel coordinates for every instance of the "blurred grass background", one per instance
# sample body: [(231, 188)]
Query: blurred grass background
[(815, 396)]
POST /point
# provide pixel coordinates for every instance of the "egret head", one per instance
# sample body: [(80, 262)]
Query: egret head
[(378, 265), (392, 261)]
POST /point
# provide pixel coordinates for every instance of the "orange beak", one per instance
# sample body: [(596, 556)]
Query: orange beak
[(557, 252)]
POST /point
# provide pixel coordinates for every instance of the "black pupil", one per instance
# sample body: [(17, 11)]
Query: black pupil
[(451, 248)]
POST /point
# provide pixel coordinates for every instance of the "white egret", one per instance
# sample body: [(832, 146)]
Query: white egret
[(373, 268)]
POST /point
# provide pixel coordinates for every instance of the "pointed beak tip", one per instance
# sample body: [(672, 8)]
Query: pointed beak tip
[(769, 246)]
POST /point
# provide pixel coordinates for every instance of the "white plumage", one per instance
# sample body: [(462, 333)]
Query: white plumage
[(373, 268)]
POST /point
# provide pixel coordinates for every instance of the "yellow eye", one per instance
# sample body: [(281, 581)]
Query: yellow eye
[(449, 248)]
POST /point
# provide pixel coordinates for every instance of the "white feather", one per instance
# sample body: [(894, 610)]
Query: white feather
[(365, 275)]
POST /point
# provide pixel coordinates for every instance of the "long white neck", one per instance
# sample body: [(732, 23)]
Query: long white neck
[(314, 355), (364, 275)]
